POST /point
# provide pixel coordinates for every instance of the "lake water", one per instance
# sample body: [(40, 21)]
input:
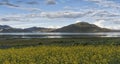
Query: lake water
[(58, 35)]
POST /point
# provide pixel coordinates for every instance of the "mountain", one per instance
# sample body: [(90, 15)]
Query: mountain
[(75, 28), (5, 29), (38, 29), (82, 27)]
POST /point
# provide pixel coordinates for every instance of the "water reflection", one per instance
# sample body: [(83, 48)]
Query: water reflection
[(58, 35)]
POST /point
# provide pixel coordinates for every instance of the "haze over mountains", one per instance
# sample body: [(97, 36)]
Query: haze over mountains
[(76, 28)]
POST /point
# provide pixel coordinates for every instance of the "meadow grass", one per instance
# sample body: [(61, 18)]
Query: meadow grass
[(102, 54)]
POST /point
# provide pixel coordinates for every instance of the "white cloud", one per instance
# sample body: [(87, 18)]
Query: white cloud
[(95, 15), (7, 3), (100, 23), (106, 3), (103, 13), (54, 27), (78, 21), (61, 14), (25, 8), (71, 8)]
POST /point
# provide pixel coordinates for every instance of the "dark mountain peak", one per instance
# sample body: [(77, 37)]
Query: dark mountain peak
[(5, 27), (38, 29), (81, 27), (85, 24)]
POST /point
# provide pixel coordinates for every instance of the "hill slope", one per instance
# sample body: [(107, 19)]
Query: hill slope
[(81, 27)]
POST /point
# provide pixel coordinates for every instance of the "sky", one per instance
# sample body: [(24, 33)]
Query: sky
[(59, 13)]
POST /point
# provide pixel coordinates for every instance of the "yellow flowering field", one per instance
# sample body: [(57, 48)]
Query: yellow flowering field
[(61, 55)]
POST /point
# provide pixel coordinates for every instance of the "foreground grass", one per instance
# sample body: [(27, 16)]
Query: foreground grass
[(61, 55)]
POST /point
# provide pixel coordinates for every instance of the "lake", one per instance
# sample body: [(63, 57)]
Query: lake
[(59, 35)]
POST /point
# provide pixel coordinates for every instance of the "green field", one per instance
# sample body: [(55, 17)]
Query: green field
[(60, 51), (61, 55)]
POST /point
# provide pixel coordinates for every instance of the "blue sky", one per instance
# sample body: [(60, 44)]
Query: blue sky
[(59, 13)]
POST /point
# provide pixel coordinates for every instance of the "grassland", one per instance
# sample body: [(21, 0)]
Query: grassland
[(60, 51), (61, 55), (8, 43)]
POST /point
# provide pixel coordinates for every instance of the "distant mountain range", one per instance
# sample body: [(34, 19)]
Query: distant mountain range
[(7, 29), (77, 27), (39, 29)]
